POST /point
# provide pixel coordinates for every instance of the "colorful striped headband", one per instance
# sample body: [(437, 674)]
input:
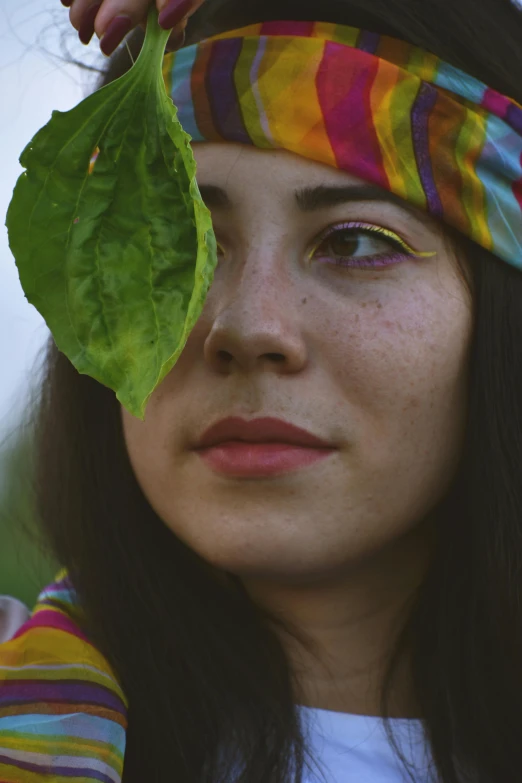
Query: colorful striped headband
[(383, 110)]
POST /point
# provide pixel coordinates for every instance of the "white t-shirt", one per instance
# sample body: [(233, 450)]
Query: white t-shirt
[(348, 748), (356, 749), (13, 614)]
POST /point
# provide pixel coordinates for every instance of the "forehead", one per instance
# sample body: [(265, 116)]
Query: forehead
[(234, 162), (236, 174)]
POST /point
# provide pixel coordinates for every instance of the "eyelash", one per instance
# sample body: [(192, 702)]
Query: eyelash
[(403, 250)]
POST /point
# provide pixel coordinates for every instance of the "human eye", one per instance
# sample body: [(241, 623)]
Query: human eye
[(362, 246)]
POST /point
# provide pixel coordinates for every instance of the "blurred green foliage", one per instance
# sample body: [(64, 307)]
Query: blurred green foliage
[(24, 567)]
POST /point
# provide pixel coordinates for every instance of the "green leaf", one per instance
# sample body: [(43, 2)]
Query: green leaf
[(118, 261)]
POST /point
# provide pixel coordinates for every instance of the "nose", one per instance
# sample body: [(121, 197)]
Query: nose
[(255, 322)]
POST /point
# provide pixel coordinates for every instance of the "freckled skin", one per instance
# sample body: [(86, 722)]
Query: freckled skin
[(374, 361)]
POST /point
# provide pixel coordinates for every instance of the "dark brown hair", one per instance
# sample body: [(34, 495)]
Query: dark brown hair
[(207, 679)]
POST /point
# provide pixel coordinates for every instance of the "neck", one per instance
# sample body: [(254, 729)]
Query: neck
[(350, 624)]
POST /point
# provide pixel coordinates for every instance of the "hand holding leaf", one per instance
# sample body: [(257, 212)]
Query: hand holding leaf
[(118, 261), (113, 19)]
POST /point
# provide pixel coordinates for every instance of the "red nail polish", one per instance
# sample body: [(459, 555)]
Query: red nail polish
[(115, 33), (174, 13), (86, 30)]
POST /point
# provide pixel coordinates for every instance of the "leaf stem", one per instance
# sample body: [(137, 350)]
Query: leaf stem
[(150, 59)]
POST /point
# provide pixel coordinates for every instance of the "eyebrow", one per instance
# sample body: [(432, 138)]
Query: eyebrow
[(313, 199)]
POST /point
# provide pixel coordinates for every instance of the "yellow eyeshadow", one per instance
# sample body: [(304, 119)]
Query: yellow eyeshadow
[(368, 228), (386, 232)]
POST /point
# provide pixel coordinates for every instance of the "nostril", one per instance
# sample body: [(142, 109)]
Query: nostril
[(225, 356)]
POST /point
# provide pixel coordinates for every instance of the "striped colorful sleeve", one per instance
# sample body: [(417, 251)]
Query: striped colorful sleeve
[(63, 715)]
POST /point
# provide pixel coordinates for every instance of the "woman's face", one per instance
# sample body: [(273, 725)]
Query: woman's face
[(371, 359)]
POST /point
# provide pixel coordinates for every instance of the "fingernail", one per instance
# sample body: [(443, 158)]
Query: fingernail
[(174, 12), (67, 3), (115, 33), (86, 30), (176, 41)]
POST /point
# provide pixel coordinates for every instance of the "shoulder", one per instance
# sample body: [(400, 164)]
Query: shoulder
[(61, 706), (13, 614)]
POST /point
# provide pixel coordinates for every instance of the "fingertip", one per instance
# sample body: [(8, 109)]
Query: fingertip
[(174, 13), (116, 31), (86, 30)]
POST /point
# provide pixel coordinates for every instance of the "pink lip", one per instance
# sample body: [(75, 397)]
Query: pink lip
[(260, 448), (251, 460), (265, 430)]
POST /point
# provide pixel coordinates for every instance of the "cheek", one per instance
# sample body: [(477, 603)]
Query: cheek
[(403, 364), (147, 444)]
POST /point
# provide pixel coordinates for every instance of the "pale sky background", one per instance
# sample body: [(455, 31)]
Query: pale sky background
[(33, 82)]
